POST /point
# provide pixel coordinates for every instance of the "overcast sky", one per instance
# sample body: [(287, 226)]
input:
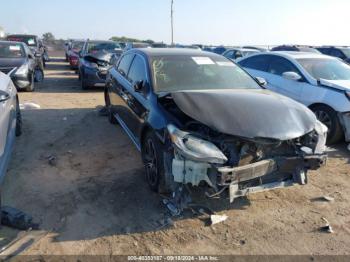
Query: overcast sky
[(230, 22)]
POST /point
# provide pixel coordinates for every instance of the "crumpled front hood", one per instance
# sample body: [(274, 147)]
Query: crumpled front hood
[(11, 62), (338, 84), (247, 113)]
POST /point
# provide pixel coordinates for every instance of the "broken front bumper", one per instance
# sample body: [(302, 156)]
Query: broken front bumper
[(269, 174), (260, 176)]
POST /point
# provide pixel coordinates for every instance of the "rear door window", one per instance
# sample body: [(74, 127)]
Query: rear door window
[(280, 65), (260, 62)]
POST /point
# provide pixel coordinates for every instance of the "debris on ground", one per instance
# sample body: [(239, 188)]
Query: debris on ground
[(17, 219), (349, 147), (327, 228), (29, 106), (103, 111), (178, 202), (52, 160), (65, 118), (216, 219), (328, 198)]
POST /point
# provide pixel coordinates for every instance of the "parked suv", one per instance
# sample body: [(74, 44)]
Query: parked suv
[(340, 52)]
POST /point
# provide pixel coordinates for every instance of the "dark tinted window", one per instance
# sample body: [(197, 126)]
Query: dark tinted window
[(256, 62), (230, 54), (137, 70), (124, 64), (323, 50), (337, 53), (279, 65)]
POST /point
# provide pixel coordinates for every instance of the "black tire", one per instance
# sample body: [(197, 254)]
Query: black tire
[(39, 75), (111, 117), (152, 156), (330, 118), (66, 58), (84, 86), (31, 87), (18, 119)]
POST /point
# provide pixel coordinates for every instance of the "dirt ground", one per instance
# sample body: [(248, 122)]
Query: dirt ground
[(93, 198)]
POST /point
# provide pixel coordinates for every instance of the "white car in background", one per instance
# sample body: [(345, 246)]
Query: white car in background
[(10, 120), (318, 81)]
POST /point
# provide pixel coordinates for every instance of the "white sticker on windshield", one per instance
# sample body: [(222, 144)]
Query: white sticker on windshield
[(31, 42), (225, 63), (15, 48), (202, 60)]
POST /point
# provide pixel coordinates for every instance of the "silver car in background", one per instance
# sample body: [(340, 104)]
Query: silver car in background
[(10, 120)]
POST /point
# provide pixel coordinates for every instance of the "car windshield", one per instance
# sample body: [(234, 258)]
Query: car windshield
[(102, 46), (77, 46), (29, 40), (182, 72), (326, 68), (9, 50)]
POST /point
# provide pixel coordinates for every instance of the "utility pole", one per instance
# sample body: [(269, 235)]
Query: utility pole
[(172, 22)]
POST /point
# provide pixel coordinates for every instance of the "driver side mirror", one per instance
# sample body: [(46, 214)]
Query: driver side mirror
[(291, 76), (139, 85), (30, 56), (4, 96)]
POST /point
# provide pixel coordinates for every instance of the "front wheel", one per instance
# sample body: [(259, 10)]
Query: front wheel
[(329, 118), (111, 117), (153, 160)]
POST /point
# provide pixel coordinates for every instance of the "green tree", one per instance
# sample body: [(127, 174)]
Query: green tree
[(48, 37), (128, 39)]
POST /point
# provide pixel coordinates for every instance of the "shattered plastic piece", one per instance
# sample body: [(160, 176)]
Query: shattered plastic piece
[(327, 228), (52, 160), (15, 218), (216, 219), (29, 105), (328, 198), (179, 201)]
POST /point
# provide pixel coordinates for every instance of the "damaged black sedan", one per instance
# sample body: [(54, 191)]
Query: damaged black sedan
[(199, 119)]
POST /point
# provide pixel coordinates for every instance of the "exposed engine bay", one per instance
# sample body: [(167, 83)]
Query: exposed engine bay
[(202, 155)]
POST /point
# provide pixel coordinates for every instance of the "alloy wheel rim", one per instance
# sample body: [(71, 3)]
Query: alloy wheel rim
[(323, 117)]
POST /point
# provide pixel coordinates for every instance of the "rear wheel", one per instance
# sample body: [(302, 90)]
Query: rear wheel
[(38, 75), (84, 86), (329, 118), (111, 117)]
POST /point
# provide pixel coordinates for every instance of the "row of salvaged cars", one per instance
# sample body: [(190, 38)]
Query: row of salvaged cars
[(201, 119), (245, 120)]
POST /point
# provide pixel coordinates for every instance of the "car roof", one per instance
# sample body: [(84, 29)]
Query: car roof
[(295, 54), (174, 51), (22, 35), (12, 42)]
